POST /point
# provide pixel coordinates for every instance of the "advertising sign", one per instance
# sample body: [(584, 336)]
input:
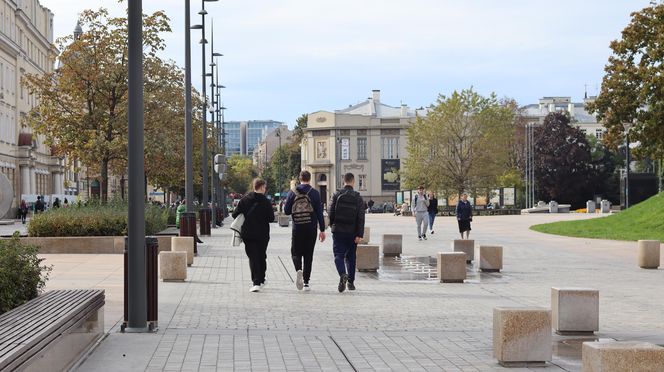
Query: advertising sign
[(390, 174)]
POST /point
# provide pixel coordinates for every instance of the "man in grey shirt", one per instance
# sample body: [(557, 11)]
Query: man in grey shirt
[(421, 212)]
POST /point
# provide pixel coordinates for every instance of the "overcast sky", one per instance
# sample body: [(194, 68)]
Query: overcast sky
[(288, 57)]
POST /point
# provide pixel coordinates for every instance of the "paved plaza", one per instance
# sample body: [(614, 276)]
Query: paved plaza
[(393, 322)]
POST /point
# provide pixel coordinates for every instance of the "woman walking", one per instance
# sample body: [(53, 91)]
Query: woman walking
[(258, 214), (464, 214), (23, 209), (433, 209)]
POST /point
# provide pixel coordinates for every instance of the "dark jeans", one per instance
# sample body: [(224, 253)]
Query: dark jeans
[(257, 252), (344, 249), (432, 216), (302, 247)]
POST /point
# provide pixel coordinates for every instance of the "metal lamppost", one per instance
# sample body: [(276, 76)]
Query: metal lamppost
[(136, 257), (627, 127), (205, 211)]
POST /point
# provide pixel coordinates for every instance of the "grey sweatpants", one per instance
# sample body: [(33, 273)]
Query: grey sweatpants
[(422, 221)]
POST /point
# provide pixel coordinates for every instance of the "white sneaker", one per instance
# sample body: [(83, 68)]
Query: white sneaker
[(255, 288), (307, 288), (299, 282), (264, 284)]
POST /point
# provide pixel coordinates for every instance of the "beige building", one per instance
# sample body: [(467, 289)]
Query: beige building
[(26, 47), (265, 149), (580, 118), (368, 139)]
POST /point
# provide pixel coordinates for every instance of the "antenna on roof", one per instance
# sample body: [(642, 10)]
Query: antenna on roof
[(585, 89)]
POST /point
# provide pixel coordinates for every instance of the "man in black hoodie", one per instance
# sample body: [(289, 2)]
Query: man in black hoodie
[(255, 232), (305, 205), (346, 214)]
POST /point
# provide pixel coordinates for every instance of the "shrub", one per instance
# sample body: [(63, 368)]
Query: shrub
[(21, 276), (94, 219)]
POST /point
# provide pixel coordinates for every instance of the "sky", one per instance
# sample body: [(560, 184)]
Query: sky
[(283, 58)]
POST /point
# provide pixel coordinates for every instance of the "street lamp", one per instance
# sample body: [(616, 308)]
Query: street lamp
[(627, 127), (205, 211)]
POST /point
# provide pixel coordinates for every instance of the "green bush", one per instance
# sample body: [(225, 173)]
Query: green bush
[(21, 276), (94, 219)]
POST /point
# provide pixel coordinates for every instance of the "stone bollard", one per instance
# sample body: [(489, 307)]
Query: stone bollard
[(522, 336), (466, 246), (575, 310), (553, 206), (605, 206), (392, 244), (649, 254), (173, 266), (622, 356), (283, 220), (184, 244), (491, 258), (451, 267), (590, 206), (367, 236), (367, 257)]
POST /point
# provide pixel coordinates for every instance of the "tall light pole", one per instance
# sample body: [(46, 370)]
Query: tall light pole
[(188, 130), (136, 256), (627, 127)]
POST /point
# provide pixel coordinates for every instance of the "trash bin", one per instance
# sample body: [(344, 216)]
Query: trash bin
[(188, 227), (151, 280), (205, 216)]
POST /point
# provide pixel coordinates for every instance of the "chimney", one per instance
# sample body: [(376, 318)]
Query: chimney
[(552, 107), (404, 110), (375, 94), (570, 109)]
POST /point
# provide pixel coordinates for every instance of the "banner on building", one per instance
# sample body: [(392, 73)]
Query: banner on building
[(390, 174), (345, 149)]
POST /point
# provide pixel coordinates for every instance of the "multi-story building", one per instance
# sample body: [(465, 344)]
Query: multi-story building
[(243, 136), (275, 138), (26, 47), (580, 118), (367, 139)]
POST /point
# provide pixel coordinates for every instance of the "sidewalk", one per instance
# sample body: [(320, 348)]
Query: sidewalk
[(212, 322)]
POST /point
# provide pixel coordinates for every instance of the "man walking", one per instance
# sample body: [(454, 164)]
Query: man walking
[(421, 212), (305, 205), (346, 215)]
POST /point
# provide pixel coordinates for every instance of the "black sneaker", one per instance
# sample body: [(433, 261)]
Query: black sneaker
[(419, 238), (351, 286), (424, 236), (342, 282)]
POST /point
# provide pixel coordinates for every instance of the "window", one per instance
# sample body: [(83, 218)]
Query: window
[(599, 133), (361, 149), (390, 148), (362, 182)]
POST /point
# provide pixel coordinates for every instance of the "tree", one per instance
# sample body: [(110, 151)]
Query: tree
[(241, 172), (605, 163), (82, 107), (633, 88), (460, 145), (563, 163), (300, 126)]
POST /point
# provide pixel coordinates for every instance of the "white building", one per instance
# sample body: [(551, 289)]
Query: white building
[(580, 118)]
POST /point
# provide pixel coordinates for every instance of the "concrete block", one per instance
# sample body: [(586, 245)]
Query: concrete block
[(184, 244), (553, 206), (649, 254), (590, 206), (605, 206), (173, 266), (367, 257), (491, 258), (367, 236), (392, 244), (622, 356), (575, 310), (466, 246), (283, 220), (522, 336), (451, 267), (164, 243)]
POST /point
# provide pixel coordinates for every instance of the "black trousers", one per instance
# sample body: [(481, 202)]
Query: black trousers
[(302, 248), (257, 252)]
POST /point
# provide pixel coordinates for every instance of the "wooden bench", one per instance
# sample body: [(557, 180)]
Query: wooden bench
[(52, 331)]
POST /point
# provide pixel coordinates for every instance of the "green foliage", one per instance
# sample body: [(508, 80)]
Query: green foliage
[(633, 82), (461, 145), (21, 276), (285, 166), (94, 219), (300, 125), (642, 221), (241, 172)]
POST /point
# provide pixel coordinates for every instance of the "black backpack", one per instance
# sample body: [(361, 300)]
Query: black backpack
[(302, 208), (345, 211)]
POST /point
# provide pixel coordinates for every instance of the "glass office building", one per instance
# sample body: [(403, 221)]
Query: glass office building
[(242, 137)]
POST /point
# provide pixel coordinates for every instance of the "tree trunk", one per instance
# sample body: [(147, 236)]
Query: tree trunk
[(103, 189)]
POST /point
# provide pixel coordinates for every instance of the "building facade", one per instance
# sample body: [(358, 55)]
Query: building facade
[(243, 136), (26, 47), (579, 117), (264, 151), (368, 139)]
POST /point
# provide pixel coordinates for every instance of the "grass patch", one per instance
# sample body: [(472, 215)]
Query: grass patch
[(644, 221)]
